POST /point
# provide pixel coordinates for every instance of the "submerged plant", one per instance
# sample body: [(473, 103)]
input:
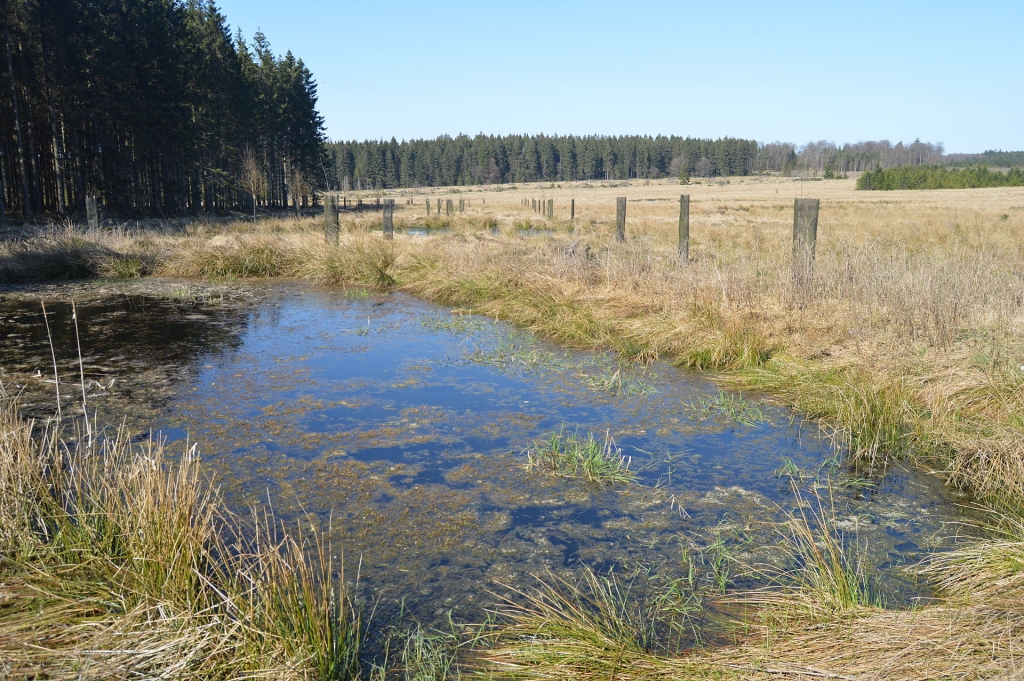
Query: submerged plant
[(613, 378), (733, 407), (571, 456)]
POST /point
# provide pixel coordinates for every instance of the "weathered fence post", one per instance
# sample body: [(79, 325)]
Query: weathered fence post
[(572, 210), (684, 227), (462, 205), (378, 202), (439, 207), (389, 225), (428, 206), (551, 208), (805, 238), (92, 212), (449, 207), (620, 218), (331, 219)]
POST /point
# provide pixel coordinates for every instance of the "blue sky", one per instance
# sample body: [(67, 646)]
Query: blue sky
[(950, 72)]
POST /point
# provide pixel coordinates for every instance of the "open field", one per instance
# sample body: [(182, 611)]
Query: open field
[(909, 343)]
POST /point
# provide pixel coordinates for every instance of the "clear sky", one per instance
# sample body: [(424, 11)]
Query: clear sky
[(950, 72)]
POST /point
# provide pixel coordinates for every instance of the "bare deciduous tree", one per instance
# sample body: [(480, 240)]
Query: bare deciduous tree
[(253, 179), (298, 187)]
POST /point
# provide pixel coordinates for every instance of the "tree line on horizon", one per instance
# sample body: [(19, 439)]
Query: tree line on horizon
[(939, 177), (154, 107), (491, 159)]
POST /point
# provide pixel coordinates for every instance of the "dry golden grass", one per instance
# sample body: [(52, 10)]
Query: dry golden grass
[(908, 343), (116, 563)]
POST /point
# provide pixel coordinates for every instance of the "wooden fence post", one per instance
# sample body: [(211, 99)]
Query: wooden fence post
[(572, 210), (684, 228), (92, 212), (805, 238), (331, 219), (620, 218), (389, 225), (462, 205), (449, 207), (439, 208), (551, 208), (428, 207)]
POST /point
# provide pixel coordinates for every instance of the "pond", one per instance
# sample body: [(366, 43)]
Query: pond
[(403, 428)]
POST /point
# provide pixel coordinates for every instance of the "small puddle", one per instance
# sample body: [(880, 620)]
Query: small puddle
[(402, 428)]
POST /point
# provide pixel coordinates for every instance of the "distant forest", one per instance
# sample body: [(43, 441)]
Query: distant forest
[(939, 177), (488, 159), (153, 106)]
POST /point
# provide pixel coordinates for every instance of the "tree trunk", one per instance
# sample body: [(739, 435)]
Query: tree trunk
[(26, 208), (58, 147), (3, 190)]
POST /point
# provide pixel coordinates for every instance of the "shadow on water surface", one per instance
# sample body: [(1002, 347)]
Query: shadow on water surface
[(403, 427)]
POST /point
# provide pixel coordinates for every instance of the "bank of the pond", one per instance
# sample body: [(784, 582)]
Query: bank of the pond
[(950, 401), (116, 563)]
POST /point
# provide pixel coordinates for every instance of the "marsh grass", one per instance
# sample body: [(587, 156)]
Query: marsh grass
[(571, 456), (515, 351), (733, 407), (616, 377), (412, 652), (906, 344), (820, 617), (117, 562), (829, 575)]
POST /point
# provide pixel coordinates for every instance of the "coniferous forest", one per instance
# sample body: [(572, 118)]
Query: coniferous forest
[(939, 177), (152, 106), (489, 159)]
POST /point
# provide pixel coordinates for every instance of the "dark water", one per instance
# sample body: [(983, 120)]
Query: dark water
[(402, 428)]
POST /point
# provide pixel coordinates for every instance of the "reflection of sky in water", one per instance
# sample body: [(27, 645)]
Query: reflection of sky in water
[(403, 427), (409, 425)]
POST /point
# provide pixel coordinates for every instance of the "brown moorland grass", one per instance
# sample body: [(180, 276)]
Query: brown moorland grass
[(908, 343), (116, 563)]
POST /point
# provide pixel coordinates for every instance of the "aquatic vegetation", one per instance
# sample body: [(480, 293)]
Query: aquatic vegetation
[(830, 577), (459, 324), (615, 377), (570, 456), (193, 296), (517, 352), (414, 653), (730, 406)]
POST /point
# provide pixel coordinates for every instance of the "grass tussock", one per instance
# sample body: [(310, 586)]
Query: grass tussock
[(822, 618), (571, 456), (116, 562)]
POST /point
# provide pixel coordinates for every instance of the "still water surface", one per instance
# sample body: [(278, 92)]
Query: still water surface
[(402, 427)]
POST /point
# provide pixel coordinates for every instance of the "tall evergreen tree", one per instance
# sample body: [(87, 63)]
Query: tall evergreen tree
[(147, 104)]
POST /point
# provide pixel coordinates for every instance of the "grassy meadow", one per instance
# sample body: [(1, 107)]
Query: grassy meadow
[(907, 344)]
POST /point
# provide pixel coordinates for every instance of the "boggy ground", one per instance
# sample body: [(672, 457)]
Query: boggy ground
[(908, 343)]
